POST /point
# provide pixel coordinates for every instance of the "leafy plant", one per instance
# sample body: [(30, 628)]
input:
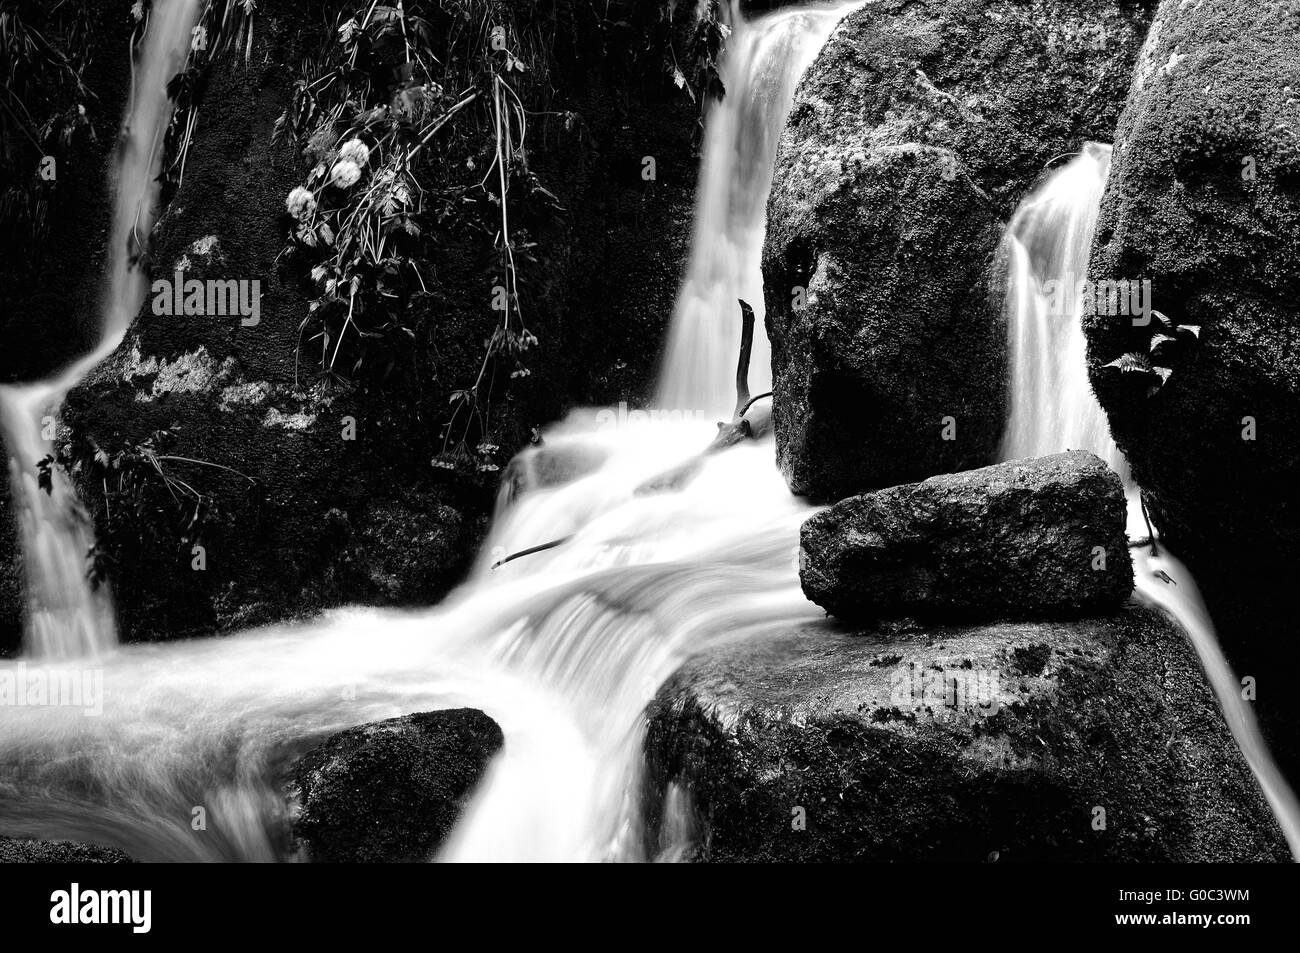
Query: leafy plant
[(405, 147), (138, 479), (1166, 348), (44, 50)]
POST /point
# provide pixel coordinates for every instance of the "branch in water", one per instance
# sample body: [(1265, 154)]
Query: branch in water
[(742, 363), (532, 549)]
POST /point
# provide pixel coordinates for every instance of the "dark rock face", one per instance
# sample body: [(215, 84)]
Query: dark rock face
[(391, 791), (13, 851), (1094, 740), (316, 495), (50, 302), (1026, 539), (1204, 201), (911, 139), (11, 577)]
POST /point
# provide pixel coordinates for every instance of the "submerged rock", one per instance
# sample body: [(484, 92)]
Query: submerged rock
[(390, 791), (1024, 539), (911, 139), (17, 851), (1093, 740)]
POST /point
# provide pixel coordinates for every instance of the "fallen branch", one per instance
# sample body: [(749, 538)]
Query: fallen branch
[(729, 434), (532, 549)]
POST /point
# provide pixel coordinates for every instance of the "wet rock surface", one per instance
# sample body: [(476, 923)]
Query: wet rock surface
[(911, 139), (1029, 538), (309, 493), (1203, 201), (1092, 740), (390, 791), (18, 851)]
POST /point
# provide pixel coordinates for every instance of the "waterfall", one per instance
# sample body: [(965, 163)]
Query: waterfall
[(1053, 408), (1046, 248), (765, 59), (66, 616), (564, 647)]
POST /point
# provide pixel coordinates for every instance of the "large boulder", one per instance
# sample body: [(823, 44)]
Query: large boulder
[(22, 851), (1203, 201), (1092, 740), (304, 491), (911, 139), (1031, 538), (390, 791)]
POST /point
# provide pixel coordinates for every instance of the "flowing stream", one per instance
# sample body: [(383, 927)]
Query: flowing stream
[(1053, 409), (564, 648), (65, 616), (765, 59)]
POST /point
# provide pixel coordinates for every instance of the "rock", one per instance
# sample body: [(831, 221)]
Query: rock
[(911, 139), (301, 478), (17, 851), (1092, 740), (1203, 201), (390, 791), (1026, 539), (11, 577)]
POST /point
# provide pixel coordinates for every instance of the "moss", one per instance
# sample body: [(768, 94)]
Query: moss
[(1128, 724), (1214, 103), (390, 791)]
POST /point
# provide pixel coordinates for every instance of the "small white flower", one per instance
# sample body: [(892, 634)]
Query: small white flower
[(354, 150), (300, 203), (345, 173)]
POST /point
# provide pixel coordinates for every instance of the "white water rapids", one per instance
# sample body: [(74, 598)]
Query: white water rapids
[(564, 648), (1053, 408)]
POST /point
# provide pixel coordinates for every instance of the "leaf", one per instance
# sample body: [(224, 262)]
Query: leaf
[(1162, 346), (1131, 363)]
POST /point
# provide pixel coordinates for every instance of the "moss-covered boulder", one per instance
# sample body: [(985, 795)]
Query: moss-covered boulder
[(283, 490), (1035, 538), (390, 791), (1092, 740), (1203, 201), (912, 137)]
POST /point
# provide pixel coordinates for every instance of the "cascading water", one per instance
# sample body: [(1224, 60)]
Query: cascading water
[(564, 648), (1046, 249), (765, 59), (1053, 408), (66, 616)]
